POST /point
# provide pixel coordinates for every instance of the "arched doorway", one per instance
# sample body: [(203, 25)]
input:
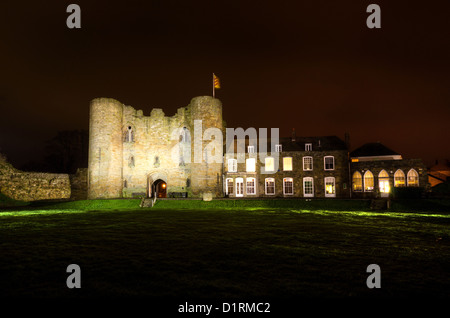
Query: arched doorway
[(157, 185), (160, 188)]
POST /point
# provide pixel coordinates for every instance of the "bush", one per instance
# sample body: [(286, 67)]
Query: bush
[(408, 192)]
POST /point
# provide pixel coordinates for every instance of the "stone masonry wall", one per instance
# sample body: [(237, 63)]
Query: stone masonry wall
[(32, 186)]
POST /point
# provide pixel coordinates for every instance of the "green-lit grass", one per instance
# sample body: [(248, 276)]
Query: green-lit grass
[(223, 254)]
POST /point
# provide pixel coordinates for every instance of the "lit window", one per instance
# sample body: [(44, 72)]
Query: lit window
[(399, 178), (229, 186), (357, 181), (330, 188), (329, 163), (383, 182), (307, 163), (270, 186), (250, 165), (413, 178), (269, 164), (288, 186), (278, 148), (308, 187), (308, 147), (232, 165), (251, 186), (368, 181), (251, 149), (287, 163)]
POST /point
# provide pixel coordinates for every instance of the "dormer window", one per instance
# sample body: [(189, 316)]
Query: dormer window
[(308, 147)]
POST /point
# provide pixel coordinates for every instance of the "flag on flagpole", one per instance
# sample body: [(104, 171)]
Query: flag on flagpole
[(216, 81)]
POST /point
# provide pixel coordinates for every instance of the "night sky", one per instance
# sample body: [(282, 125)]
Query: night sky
[(309, 65)]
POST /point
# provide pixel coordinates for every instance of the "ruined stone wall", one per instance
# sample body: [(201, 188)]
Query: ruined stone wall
[(32, 186)]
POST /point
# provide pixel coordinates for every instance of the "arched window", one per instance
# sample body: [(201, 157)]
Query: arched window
[(368, 181), (383, 183), (357, 181), (185, 135), (413, 178), (129, 134), (399, 178)]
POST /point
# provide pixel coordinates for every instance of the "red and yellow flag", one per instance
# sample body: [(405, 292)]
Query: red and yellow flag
[(216, 81)]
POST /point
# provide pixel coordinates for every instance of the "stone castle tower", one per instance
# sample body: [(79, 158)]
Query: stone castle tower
[(132, 155)]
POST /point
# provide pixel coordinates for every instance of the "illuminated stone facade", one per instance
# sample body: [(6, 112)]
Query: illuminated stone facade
[(129, 153)]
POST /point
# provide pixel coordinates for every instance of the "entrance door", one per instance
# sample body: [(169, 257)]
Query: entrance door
[(384, 188), (239, 187)]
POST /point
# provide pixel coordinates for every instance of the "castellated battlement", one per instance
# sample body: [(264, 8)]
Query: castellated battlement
[(132, 155)]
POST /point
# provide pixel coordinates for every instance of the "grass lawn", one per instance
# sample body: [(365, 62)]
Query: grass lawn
[(229, 252)]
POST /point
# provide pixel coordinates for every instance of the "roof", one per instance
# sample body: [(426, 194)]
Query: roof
[(373, 149), (324, 143)]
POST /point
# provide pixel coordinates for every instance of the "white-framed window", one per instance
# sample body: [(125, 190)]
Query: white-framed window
[(269, 164), (307, 163), (328, 163), (357, 181), (278, 148), (308, 187), (287, 163), (229, 186), (270, 186), (368, 181), (330, 187), (399, 178), (251, 149), (412, 178), (308, 147), (288, 186), (251, 186), (232, 165), (250, 164), (239, 187)]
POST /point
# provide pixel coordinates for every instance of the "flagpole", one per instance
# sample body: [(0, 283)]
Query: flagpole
[(214, 91)]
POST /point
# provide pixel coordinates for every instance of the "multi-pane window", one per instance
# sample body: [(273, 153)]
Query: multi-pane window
[(251, 149), (328, 163), (330, 188), (278, 148), (287, 163), (232, 165), (230, 186), (308, 187), (288, 186), (251, 186), (357, 181), (413, 178), (269, 161), (399, 178), (307, 163), (368, 181), (270, 186), (250, 164), (308, 147)]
